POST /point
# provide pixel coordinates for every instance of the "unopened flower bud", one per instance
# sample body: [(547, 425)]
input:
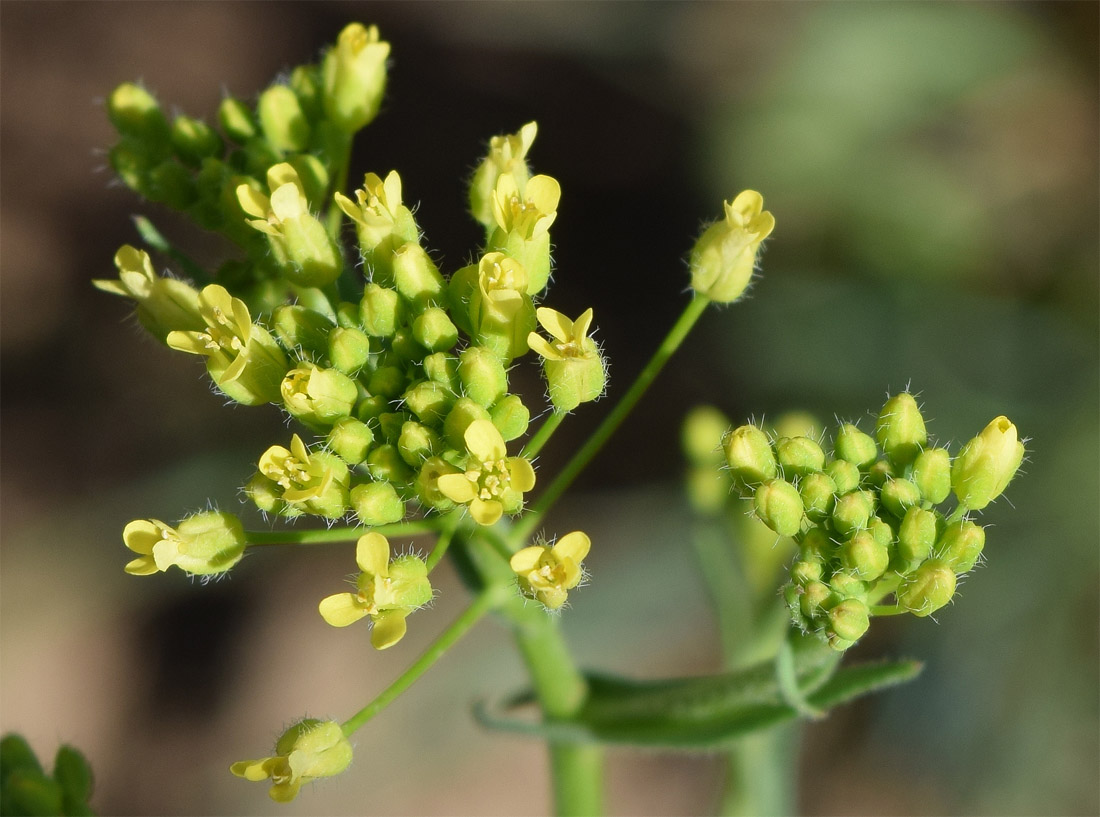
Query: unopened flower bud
[(348, 349), (172, 184), (135, 113), (844, 474), (387, 381), (434, 330), (724, 257), (864, 556), (377, 503), (846, 585), (429, 401), (354, 77), (927, 589), (848, 621), (852, 512), (814, 595), (816, 545), (236, 120), (803, 572), (511, 417), (818, 495), (916, 536), (464, 412), (799, 456), (416, 277), (880, 472), (350, 439), (284, 124), (961, 546), (384, 463), (898, 496), (299, 327), (932, 474), (417, 443), (380, 311), (442, 369), (194, 140), (852, 445), (482, 376), (318, 397), (750, 455), (987, 464), (779, 506), (900, 429)]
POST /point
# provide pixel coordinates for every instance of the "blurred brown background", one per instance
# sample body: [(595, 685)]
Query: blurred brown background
[(933, 171)]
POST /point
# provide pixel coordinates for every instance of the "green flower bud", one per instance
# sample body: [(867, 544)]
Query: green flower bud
[(314, 178), (172, 184), (350, 439), (961, 546), (813, 596), (347, 315), (883, 533), (441, 368), (318, 397), (844, 474), (299, 327), (417, 443), (434, 331), (390, 423), (750, 456), (701, 435), (194, 140), (818, 493), (880, 472), (416, 278), (388, 382), (510, 417), (284, 124), (135, 113), (314, 259), (429, 401), (380, 311), (848, 621), (427, 483), (816, 545), (268, 497), (852, 512), (846, 585), (236, 120), (799, 456), (932, 474), (370, 407), (864, 556), (987, 464), (916, 536), (482, 375), (724, 257), (348, 349), (464, 412), (202, 545), (384, 463), (898, 496), (900, 429), (803, 572), (354, 77), (779, 506), (927, 589), (404, 348), (377, 503), (852, 445)]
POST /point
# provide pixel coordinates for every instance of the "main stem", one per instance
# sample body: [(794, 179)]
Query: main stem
[(613, 420)]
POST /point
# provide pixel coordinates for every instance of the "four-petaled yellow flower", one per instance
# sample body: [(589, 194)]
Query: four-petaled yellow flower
[(386, 590), (243, 359), (724, 257), (547, 574), (575, 371), (309, 749), (163, 304), (507, 156), (523, 219), (493, 482), (295, 481), (202, 545)]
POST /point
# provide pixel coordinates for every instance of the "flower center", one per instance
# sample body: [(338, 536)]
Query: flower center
[(493, 479)]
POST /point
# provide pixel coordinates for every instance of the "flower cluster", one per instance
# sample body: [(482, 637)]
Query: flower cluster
[(867, 519)]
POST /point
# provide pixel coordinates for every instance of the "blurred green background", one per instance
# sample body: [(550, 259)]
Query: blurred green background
[(933, 171)]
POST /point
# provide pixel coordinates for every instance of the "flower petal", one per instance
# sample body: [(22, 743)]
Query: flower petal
[(389, 628), (483, 440), (574, 546), (541, 346), (526, 560), (456, 487), (581, 325), (372, 554), (521, 473), (555, 323), (341, 609), (486, 511)]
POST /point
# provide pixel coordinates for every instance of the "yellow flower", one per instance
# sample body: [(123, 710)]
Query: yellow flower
[(523, 220), (242, 357), (202, 545), (507, 157), (292, 482), (986, 464), (386, 590), (547, 574), (309, 749), (493, 482), (501, 312), (163, 304), (723, 259), (382, 222), (574, 368), (354, 76)]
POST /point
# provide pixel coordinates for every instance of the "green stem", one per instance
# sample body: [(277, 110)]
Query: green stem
[(340, 168), (450, 524), (548, 427), (612, 421), (887, 610), (482, 604), (257, 538), (760, 774), (957, 514)]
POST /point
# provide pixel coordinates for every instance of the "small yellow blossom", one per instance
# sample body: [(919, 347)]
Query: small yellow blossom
[(163, 304), (507, 157), (547, 574), (202, 545), (387, 590), (987, 464), (382, 222), (523, 220), (724, 257), (309, 749), (295, 481), (243, 359), (501, 312), (493, 482), (318, 397), (574, 368), (354, 76)]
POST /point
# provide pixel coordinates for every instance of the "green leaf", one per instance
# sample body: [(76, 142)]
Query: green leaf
[(74, 775), (702, 713), (16, 753)]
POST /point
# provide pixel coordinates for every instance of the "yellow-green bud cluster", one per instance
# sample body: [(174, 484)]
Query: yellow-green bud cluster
[(868, 518)]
